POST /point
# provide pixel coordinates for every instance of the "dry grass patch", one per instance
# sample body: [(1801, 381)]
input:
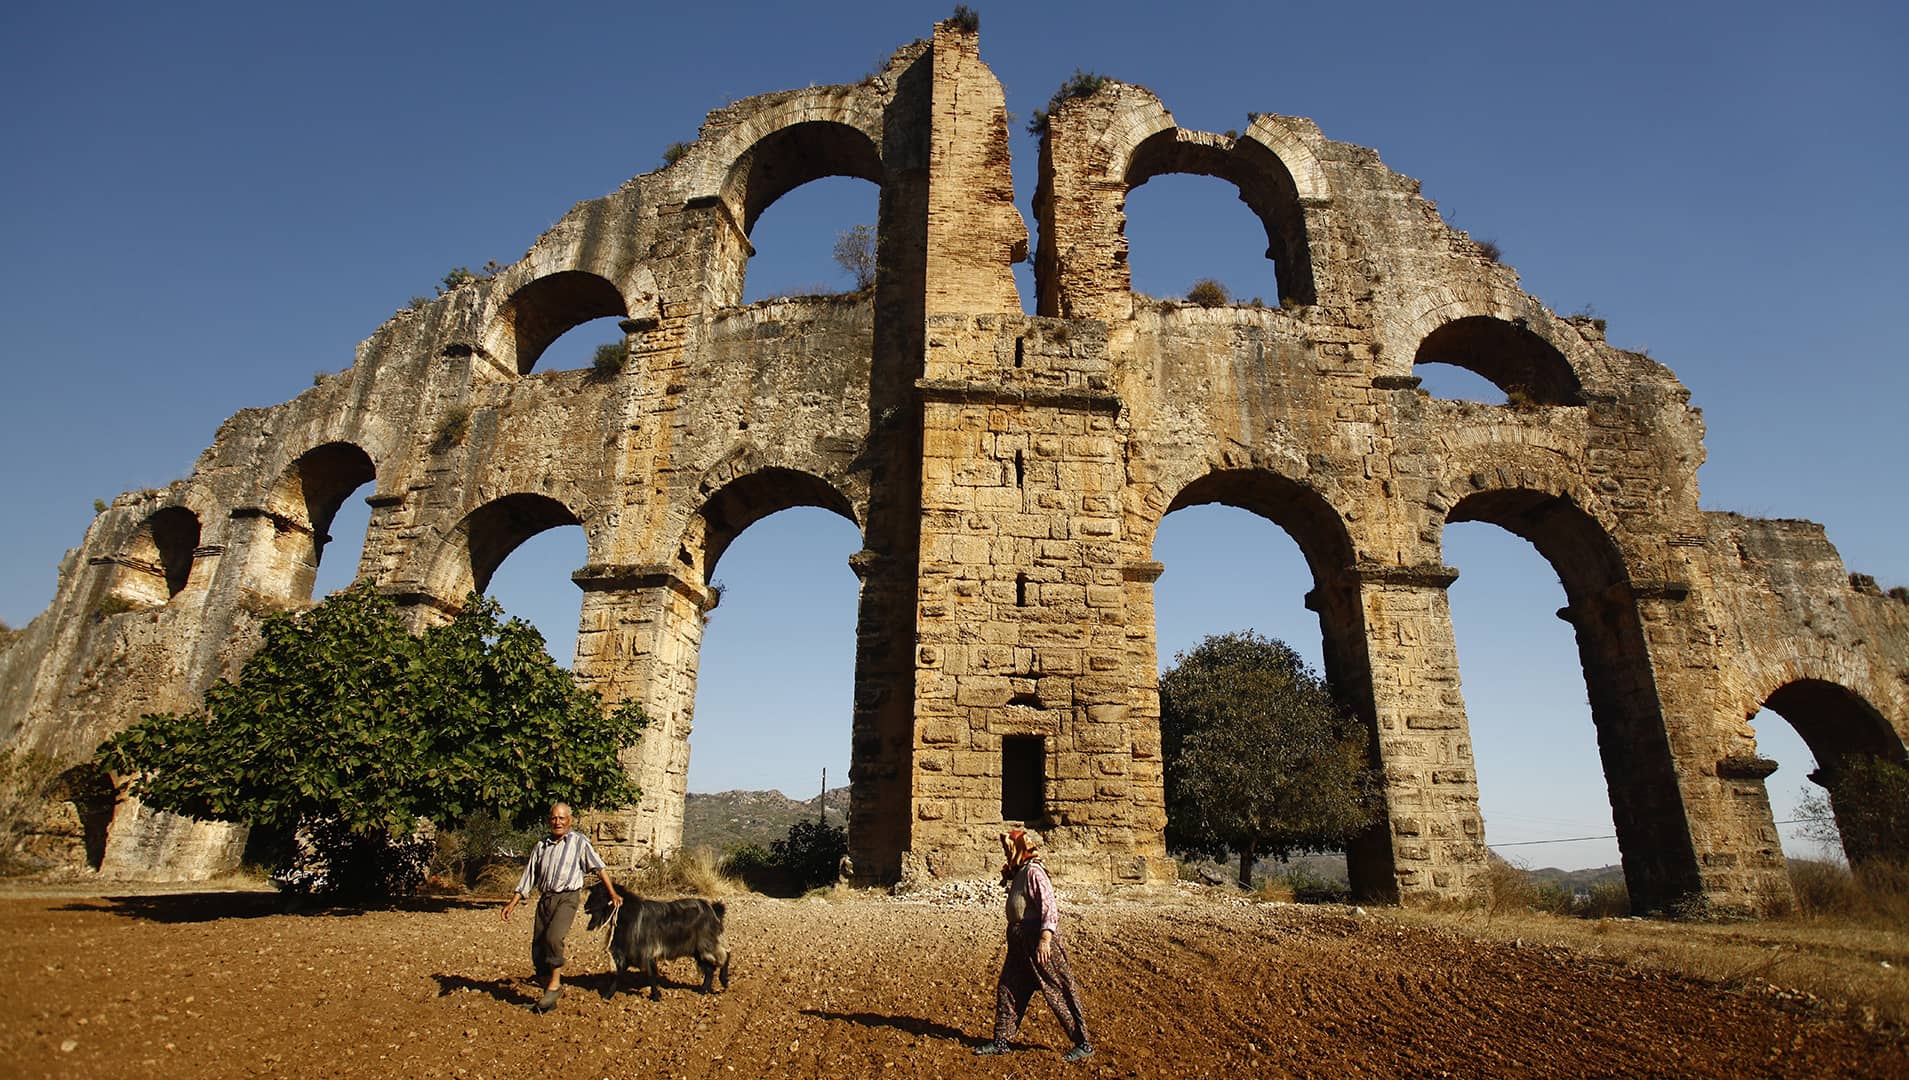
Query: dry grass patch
[(693, 871), (1857, 966)]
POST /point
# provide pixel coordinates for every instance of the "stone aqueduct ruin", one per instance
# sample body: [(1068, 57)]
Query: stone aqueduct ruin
[(1007, 473)]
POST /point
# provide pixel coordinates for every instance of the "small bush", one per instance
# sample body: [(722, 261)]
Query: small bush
[(99, 506), (1306, 887), (459, 276), (451, 429), (1900, 593), (1081, 84), (455, 278), (1874, 893), (811, 853), (1490, 250), (1208, 293), (1608, 900), (113, 604), (809, 857), (964, 19), (755, 867), (675, 152), (609, 359)]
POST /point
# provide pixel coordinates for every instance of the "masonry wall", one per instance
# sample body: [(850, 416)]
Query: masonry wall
[(1008, 473)]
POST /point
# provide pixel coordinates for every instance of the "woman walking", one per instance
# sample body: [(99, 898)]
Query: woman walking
[(1035, 956)]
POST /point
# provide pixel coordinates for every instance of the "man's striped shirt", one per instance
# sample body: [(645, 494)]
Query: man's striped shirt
[(559, 865)]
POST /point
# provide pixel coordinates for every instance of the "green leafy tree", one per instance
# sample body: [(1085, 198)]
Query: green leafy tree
[(1260, 759), (811, 854), (344, 719)]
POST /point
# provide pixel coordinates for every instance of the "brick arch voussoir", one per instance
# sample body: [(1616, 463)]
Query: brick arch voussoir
[(500, 319), (720, 162), (1509, 476), (448, 571), (1275, 134), (1403, 328), (1328, 539), (745, 487), (1142, 116), (279, 480), (1773, 664)]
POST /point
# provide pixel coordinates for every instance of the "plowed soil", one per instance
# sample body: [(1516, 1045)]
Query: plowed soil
[(216, 985)]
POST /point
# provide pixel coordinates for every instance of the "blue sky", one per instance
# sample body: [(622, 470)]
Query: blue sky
[(205, 204)]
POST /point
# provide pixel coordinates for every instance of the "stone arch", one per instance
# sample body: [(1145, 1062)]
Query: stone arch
[(1842, 727), (652, 618), (791, 148), (543, 310), (1087, 173), (744, 499), (1336, 597), (1264, 183), (1508, 354), (155, 563), (1295, 507), (1320, 531), (1602, 608), (308, 494), (787, 157), (483, 538)]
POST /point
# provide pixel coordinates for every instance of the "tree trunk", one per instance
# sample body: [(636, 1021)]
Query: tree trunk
[(1247, 859)]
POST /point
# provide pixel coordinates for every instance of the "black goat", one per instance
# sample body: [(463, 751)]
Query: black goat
[(645, 931)]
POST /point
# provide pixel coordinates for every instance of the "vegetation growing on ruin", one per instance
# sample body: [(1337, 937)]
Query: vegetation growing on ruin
[(451, 430), (965, 19), (459, 276), (1078, 85), (675, 152), (347, 729), (608, 359), (1208, 293), (1260, 759), (855, 253)]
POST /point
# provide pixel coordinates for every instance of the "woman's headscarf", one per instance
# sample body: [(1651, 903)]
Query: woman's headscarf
[(1025, 847)]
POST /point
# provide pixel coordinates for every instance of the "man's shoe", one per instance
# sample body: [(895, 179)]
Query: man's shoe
[(548, 1001), (1079, 1053), (989, 1049)]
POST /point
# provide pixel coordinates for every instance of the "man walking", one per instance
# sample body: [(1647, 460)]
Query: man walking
[(556, 868)]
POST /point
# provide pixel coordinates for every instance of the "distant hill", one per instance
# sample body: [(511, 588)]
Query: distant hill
[(727, 820), (1577, 881)]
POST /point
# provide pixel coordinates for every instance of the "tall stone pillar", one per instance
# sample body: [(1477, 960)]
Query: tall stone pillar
[(1432, 835), (1687, 794), (639, 637), (1033, 638)]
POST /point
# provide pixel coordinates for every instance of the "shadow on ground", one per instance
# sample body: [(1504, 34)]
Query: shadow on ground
[(913, 1025), (196, 907)]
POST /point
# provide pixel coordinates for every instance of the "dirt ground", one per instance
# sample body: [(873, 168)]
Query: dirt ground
[(1176, 985)]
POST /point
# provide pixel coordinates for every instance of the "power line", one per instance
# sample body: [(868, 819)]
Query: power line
[(1613, 836)]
